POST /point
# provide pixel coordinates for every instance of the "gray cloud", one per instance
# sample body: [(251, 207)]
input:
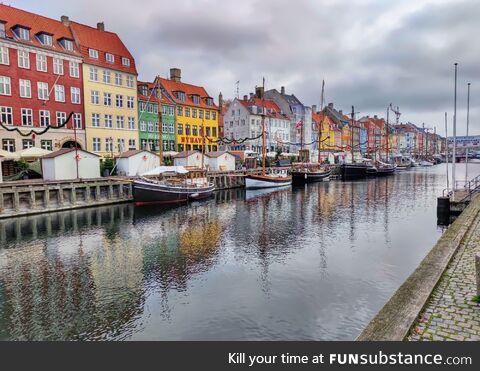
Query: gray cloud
[(370, 52)]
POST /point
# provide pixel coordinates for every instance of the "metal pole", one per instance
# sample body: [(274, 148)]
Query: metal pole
[(76, 148), (387, 154), (446, 149), (160, 121), (468, 119), (454, 152)]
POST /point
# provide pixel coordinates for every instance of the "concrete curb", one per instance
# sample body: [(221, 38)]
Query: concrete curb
[(395, 320)]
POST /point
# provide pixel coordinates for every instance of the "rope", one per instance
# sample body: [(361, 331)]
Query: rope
[(32, 131)]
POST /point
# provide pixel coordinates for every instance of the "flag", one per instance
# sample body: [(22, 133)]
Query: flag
[(298, 124)]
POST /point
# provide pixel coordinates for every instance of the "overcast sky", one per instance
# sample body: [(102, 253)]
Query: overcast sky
[(370, 52)]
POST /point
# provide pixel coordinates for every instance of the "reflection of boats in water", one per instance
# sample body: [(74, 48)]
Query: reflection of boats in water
[(178, 188), (251, 194), (426, 163)]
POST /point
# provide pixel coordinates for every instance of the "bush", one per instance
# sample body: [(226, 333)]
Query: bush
[(107, 164)]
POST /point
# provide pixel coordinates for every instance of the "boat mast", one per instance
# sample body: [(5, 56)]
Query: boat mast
[(203, 142), (320, 124), (160, 129), (446, 147), (386, 133), (351, 132), (263, 129)]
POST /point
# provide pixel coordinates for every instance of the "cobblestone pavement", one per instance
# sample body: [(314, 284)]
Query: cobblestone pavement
[(450, 313)]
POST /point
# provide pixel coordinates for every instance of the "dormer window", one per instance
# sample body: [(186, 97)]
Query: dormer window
[(196, 99), (45, 39), (209, 101), (22, 33), (92, 53), (2, 29), (66, 44), (181, 96), (125, 62), (110, 58)]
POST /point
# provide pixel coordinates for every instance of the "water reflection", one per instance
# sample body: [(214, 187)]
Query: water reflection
[(314, 262)]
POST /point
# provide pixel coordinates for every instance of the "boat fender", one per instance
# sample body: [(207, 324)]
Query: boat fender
[(306, 176)]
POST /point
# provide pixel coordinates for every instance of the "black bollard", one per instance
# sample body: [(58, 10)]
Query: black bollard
[(443, 210)]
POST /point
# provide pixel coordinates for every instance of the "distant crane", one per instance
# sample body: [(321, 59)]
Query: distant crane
[(396, 111), (238, 89)]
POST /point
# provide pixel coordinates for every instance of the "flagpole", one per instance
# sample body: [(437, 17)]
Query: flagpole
[(454, 152)]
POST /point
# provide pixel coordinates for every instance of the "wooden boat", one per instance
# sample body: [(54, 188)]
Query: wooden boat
[(305, 175), (175, 189), (354, 171), (266, 181)]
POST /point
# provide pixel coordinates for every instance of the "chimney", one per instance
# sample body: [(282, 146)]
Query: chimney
[(251, 95), (282, 90), (375, 117), (245, 98), (314, 108), (65, 20), (220, 102), (175, 74), (259, 92), (101, 26), (330, 105)]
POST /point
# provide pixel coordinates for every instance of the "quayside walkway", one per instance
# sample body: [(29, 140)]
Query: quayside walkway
[(435, 302)]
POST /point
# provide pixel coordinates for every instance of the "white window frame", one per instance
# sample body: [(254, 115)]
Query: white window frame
[(75, 95), (119, 101), (44, 118), (68, 44), (59, 93), (92, 53), (108, 121), (59, 117), (4, 55), (23, 33), (118, 79), (95, 97), (131, 102), (93, 75), (132, 145), (74, 68), (107, 77), (25, 88), (110, 58), (23, 59), (77, 121), (42, 64), (42, 89), (107, 99), (47, 40), (125, 62), (120, 122), (130, 82), (27, 113), (95, 120), (131, 123), (6, 115), (97, 144), (58, 66)]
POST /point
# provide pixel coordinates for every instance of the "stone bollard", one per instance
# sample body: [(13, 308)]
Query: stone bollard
[(477, 270)]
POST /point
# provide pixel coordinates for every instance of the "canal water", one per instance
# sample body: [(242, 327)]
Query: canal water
[(308, 263)]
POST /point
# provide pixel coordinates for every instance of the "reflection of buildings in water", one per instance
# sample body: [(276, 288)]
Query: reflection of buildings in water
[(69, 286)]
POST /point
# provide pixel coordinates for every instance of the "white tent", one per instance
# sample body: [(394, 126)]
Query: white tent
[(33, 152), (9, 155), (166, 169)]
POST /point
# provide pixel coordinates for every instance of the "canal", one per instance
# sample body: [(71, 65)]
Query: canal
[(309, 263)]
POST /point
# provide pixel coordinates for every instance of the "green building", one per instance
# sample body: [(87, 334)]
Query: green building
[(148, 119)]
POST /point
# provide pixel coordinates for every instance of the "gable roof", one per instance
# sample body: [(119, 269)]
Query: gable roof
[(151, 97), (218, 153), (64, 151), (185, 154), (105, 42), (128, 154), (37, 24), (273, 110), (339, 119), (171, 87)]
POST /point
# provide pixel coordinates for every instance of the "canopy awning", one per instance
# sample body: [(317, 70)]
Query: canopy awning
[(33, 152), (8, 155), (166, 169)]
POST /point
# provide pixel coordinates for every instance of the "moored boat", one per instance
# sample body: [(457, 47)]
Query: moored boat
[(253, 181), (354, 171), (426, 163), (305, 175)]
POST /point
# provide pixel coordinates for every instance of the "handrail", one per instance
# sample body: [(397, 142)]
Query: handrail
[(471, 187)]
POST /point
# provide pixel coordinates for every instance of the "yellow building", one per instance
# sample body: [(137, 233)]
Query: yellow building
[(196, 115), (110, 91)]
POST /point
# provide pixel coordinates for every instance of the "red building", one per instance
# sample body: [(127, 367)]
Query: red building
[(40, 81)]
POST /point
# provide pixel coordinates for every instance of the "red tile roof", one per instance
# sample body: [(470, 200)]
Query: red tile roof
[(172, 86), (151, 98), (275, 111), (37, 24), (105, 42)]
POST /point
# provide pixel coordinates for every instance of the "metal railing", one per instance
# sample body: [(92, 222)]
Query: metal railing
[(471, 187)]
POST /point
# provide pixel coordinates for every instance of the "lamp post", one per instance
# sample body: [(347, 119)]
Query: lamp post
[(466, 148), (454, 151)]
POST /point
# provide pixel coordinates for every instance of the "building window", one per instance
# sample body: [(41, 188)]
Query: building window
[(209, 102), (46, 144), (25, 89), (125, 62), (181, 96), (130, 82), (44, 118), (200, 114), (23, 59), (196, 99), (143, 126), (75, 92), (118, 79), (92, 53), (143, 106), (131, 123), (22, 33), (93, 74), (214, 132), (97, 144), (195, 130), (107, 99), (108, 121), (77, 120), (27, 143), (179, 111), (119, 101), (74, 69), (120, 122), (150, 108), (107, 77), (109, 144), (4, 57), (187, 112), (214, 116), (95, 120), (110, 58), (59, 93), (121, 144), (187, 129), (27, 117), (130, 102), (6, 116), (42, 88), (150, 127), (46, 39), (58, 66), (67, 45), (207, 131), (132, 145), (8, 145), (95, 97), (194, 113), (61, 118), (42, 63)]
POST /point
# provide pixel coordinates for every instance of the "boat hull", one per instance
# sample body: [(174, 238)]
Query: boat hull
[(302, 177), (353, 171), (385, 171), (260, 181), (151, 193)]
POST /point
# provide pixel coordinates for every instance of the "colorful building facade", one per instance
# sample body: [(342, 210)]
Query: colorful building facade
[(196, 115), (110, 90), (40, 82)]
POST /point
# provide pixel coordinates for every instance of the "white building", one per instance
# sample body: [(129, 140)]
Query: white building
[(62, 165), (136, 162), (220, 161), (244, 120), (189, 158)]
